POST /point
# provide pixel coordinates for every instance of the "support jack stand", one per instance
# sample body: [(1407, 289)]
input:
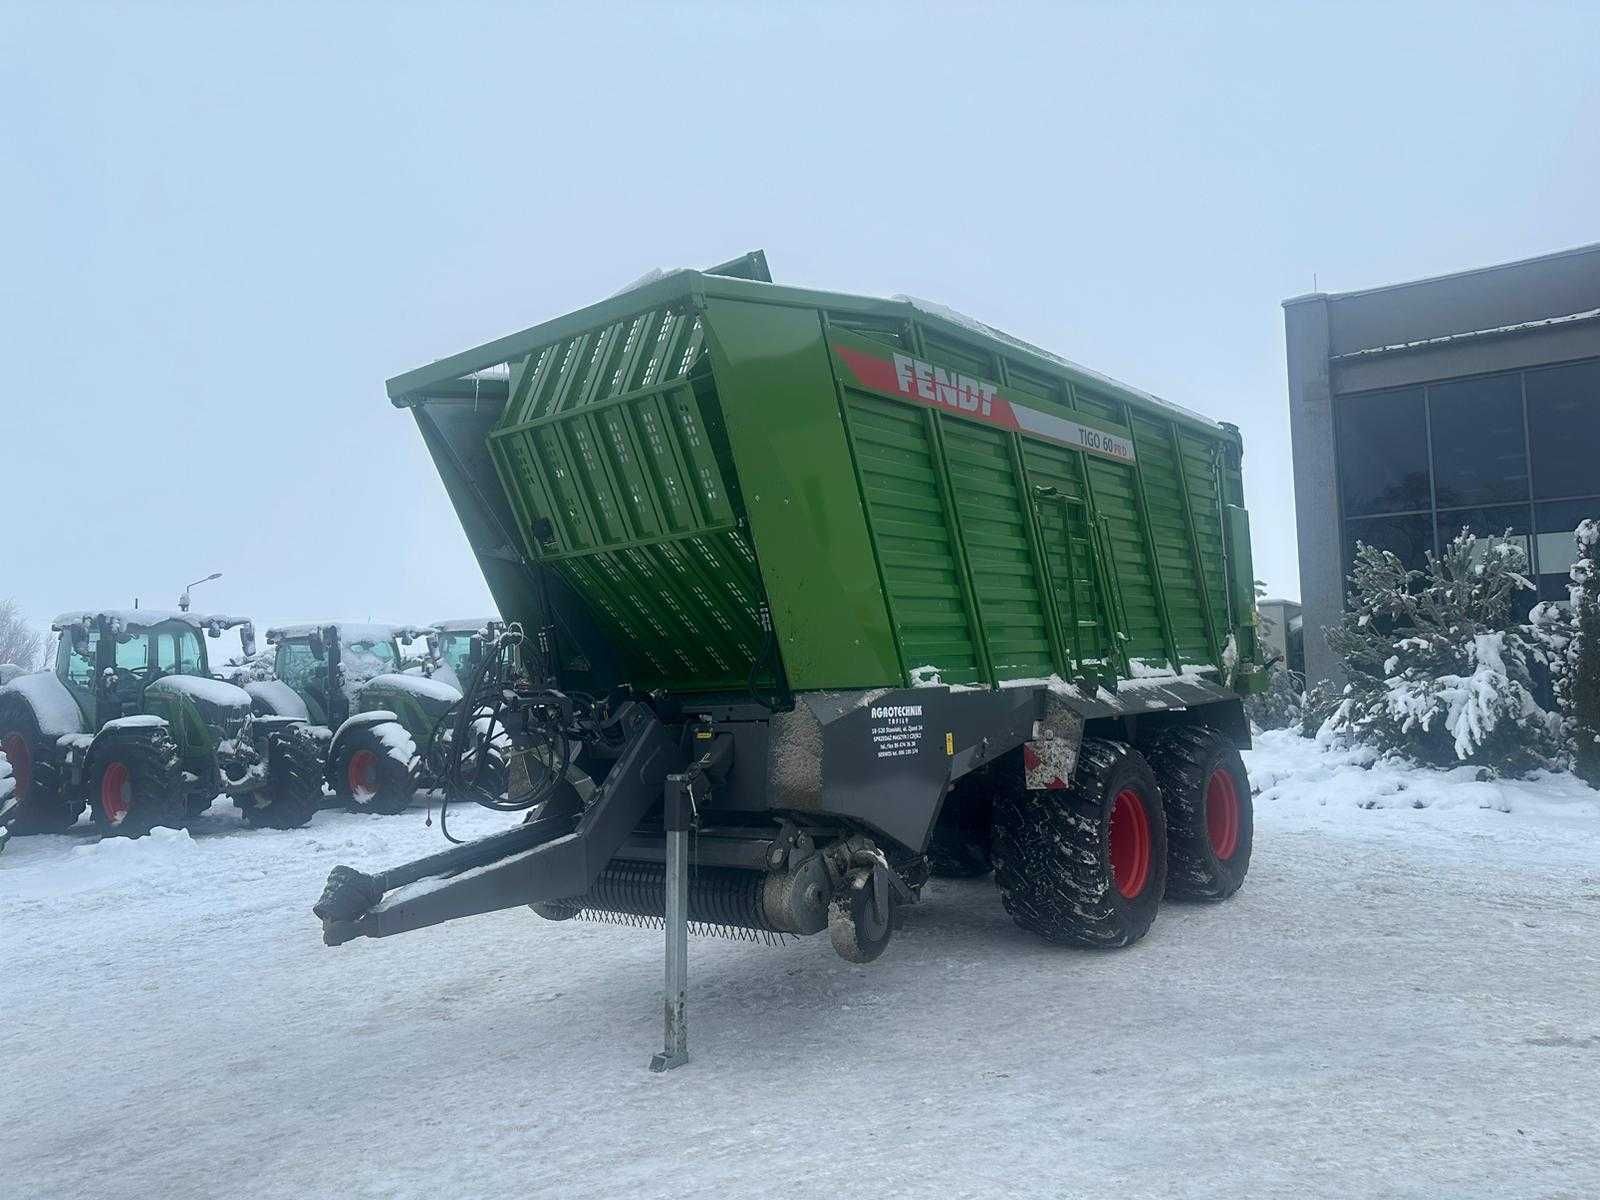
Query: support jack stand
[(679, 801)]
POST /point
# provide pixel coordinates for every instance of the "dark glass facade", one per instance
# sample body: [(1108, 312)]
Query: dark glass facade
[(1518, 451)]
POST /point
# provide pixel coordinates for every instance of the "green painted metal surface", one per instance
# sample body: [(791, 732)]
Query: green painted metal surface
[(888, 486)]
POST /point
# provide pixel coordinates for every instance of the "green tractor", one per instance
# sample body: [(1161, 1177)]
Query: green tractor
[(455, 647), (132, 722), (354, 679)]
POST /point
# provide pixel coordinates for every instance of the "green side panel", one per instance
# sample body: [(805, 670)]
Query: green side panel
[(1112, 486), (1200, 464), (1169, 529), (921, 569), (799, 489), (994, 522), (614, 459), (1070, 551), (1241, 578)]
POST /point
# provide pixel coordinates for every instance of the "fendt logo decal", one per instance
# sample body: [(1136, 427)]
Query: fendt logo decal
[(924, 383), (933, 384)]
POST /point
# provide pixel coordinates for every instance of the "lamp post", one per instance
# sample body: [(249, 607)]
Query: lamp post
[(183, 600)]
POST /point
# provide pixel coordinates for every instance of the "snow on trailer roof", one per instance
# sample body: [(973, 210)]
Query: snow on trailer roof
[(144, 618), (656, 288)]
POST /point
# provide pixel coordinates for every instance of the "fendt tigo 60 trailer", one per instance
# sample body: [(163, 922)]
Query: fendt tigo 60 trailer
[(855, 590)]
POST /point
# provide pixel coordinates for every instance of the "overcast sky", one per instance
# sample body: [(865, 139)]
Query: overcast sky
[(225, 226)]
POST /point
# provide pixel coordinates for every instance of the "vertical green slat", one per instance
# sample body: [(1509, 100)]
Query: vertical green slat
[(671, 473), (952, 518), (1142, 507), (866, 512), (1213, 644), (1041, 566)]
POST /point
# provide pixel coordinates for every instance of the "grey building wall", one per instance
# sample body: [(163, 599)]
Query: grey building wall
[(1523, 314)]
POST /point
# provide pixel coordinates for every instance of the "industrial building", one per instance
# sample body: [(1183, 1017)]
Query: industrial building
[(1416, 409)]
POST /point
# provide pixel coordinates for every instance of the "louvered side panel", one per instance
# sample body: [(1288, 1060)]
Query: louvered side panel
[(994, 530), (1199, 465), (1068, 547), (1130, 560), (1158, 468), (915, 550)]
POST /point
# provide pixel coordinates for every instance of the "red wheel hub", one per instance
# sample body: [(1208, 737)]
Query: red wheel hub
[(361, 773), (17, 754), (116, 792), (1222, 813), (1130, 843)]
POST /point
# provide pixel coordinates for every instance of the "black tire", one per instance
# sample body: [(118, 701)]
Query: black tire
[(136, 783), (859, 931), (1210, 819), (199, 799), (8, 800), (959, 846), (390, 785), (1085, 865), (293, 791), (41, 805)]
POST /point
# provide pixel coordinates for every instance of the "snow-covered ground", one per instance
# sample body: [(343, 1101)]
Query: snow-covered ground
[(1401, 1002)]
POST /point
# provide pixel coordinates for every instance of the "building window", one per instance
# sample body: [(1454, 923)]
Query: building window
[(1556, 522), (1409, 538), (1564, 427), (1383, 452), (1479, 453)]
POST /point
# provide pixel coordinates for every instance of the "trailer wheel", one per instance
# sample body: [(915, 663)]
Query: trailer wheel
[(293, 791), (136, 784), (860, 924), (40, 805), (370, 779), (1210, 821), (1085, 865)]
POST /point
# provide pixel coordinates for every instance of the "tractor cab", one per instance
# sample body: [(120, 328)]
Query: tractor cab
[(456, 646), (109, 659), (328, 664)]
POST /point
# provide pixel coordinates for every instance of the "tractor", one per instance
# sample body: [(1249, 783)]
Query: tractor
[(352, 678), (455, 647), (132, 722)]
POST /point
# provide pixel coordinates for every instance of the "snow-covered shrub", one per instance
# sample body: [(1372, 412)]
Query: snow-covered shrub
[(1282, 704), (1569, 635), (1438, 669)]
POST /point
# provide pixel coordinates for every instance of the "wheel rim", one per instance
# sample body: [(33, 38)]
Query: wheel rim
[(361, 773), (1222, 813), (1130, 843), (21, 760), (116, 792)]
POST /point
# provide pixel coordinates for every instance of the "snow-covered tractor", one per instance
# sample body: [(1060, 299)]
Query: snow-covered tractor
[(131, 722), (455, 646), (351, 677)]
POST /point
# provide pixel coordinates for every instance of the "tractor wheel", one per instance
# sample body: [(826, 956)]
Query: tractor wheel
[(368, 777), (1210, 821), (293, 791), (8, 800), (198, 799), (960, 845), (136, 783), (41, 808), (1085, 865)]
